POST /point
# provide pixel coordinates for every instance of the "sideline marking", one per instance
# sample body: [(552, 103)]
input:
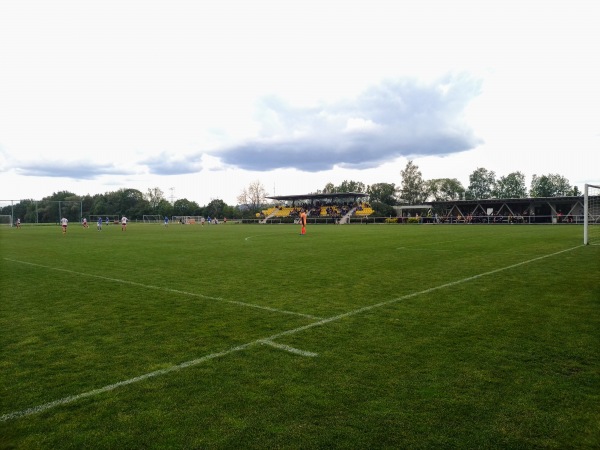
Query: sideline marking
[(287, 348), (267, 340), (166, 289)]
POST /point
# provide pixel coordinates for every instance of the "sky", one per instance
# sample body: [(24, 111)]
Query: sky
[(202, 98)]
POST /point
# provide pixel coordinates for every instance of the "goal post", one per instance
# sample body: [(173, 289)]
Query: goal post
[(591, 215)]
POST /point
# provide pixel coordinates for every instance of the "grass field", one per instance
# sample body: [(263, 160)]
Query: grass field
[(249, 336)]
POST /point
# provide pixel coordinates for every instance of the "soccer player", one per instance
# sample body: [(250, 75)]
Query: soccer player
[(85, 224), (18, 223), (64, 222), (123, 223), (166, 221), (303, 222), (99, 226)]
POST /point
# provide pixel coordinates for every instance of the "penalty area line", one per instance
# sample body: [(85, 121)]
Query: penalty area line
[(166, 289)]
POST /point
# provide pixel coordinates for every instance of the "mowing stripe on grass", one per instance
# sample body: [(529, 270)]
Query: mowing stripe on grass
[(165, 289), (267, 340)]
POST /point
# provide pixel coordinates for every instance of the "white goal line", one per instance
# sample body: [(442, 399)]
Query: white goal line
[(262, 341)]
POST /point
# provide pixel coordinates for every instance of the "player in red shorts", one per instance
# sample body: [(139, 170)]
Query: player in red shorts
[(64, 222)]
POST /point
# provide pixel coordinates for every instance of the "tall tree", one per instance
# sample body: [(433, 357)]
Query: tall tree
[(511, 186), (383, 193), (481, 184), (551, 185), (254, 196), (351, 186), (185, 207), (329, 188), (443, 189), (412, 190), (154, 196), (216, 208)]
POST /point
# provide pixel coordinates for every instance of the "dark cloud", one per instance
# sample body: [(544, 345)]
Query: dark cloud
[(165, 164), (395, 118), (76, 170)]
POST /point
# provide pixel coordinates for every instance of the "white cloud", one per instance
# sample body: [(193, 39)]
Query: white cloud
[(125, 94)]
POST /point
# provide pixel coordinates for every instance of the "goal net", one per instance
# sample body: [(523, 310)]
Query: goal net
[(152, 218), (187, 220), (6, 219), (591, 215)]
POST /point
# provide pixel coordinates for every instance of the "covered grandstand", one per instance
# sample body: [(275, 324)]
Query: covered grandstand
[(330, 207), (347, 207)]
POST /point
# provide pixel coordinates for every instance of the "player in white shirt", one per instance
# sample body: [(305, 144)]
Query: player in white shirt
[(64, 222), (123, 223)]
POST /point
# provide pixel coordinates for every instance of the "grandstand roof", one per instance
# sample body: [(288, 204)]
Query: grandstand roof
[(336, 195)]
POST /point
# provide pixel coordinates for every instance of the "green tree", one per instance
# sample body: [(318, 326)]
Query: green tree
[(351, 186), (165, 208), (443, 189), (329, 188), (511, 186), (185, 207), (217, 208), (383, 193), (551, 185), (383, 209), (412, 187), (482, 183)]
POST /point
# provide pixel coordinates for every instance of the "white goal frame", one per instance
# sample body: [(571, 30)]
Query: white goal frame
[(187, 220), (591, 214), (152, 218)]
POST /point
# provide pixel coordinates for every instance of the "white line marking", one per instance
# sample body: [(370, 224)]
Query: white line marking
[(165, 289), (287, 348), (267, 340), (419, 249)]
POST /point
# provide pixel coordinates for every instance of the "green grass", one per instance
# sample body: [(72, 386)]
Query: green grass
[(413, 348)]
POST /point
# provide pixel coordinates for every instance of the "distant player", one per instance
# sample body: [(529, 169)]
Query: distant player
[(64, 222), (85, 224), (106, 220), (99, 224), (123, 223), (303, 222), (18, 223), (166, 221)]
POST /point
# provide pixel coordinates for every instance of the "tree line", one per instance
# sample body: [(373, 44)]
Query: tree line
[(483, 184), (131, 203), (413, 189)]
